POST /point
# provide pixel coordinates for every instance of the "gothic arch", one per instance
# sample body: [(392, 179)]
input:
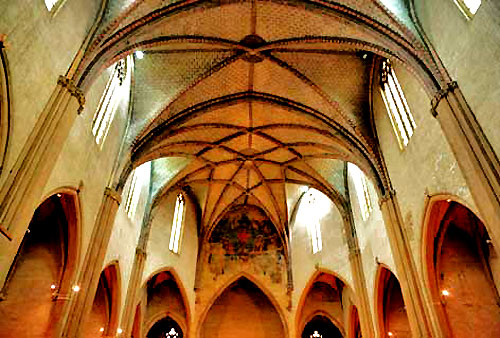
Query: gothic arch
[(389, 304), (52, 240), (456, 249), (300, 320), (353, 329), (104, 315), (5, 106), (163, 315), (183, 322), (262, 288)]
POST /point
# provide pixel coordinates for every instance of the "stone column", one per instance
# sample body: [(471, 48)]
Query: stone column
[(416, 309), (24, 184), (88, 281), (475, 156), (358, 276), (134, 283)]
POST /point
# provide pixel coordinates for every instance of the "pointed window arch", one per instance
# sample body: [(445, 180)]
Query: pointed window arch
[(401, 118), (362, 192), (177, 224), (313, 220), (135, 188), (468, 7), (110, 100), (53, 5)]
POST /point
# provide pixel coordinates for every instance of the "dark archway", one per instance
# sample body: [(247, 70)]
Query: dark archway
[(165, 297), (391, 310), (137, 325), (42, 270), (354, 330), (458, 268), (239, 305), (165, 328), (103, 318), (321, 327)]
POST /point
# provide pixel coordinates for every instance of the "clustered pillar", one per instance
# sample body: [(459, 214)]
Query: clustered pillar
[(92, 265)]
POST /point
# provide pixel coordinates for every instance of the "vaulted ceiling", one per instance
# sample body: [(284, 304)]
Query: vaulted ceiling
[(245, 101)]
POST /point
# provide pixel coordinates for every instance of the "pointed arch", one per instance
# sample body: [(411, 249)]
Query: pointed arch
[(387, 295), (455, 242), (180, 286), (52, 240), (104, 315), (5, 106), (260, 286), (300, 321)]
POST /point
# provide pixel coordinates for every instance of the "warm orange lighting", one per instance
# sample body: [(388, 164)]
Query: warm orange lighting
[(389, 334), (119, 330), (53, 286), (448, 200), (59, 195), (76, 288), (101, 329), (445, 293)]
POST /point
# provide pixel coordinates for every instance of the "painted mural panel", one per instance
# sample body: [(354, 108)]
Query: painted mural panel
[(246, 240)]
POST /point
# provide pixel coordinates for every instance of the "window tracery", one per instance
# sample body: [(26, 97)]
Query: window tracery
[(401, 118), (177, 223), (172, 333)]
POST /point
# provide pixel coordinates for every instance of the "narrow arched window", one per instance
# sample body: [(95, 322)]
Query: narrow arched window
[(134, 191), (53, 5), (468, 7), (175, 235), (401, 119), (362, 192), (313, 220), (114, 92)]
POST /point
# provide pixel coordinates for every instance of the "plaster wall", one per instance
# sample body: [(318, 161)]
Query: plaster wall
[(40, 46), (470, 50), (83, 164), (334, 257), (425, 167), (125, 235), (160, 257), (372, 239)]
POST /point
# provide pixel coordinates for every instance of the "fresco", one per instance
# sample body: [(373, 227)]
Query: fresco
[(245, 239)]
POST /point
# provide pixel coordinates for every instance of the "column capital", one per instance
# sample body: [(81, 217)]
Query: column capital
[(76, 92), (389, 194), (112, 193), (442, 93), (140, 252)]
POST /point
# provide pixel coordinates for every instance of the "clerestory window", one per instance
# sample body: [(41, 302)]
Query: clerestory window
[(134, 190), (362, 192), (175, 235), (401, 119), (114, 92), (468, 7), (53, 5), (313, 223)]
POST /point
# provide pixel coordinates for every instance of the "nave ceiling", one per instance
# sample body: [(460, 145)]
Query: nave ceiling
[(244, 102)]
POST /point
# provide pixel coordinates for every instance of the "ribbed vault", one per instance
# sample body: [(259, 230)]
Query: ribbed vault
[(238, 101)]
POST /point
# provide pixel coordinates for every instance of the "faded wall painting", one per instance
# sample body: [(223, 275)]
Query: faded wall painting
[(245, 239)]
